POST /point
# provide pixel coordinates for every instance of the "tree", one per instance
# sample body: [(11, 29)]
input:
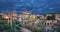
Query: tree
[(0, 16), (51, 17)]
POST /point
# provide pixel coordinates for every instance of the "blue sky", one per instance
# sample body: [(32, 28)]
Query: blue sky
[(34, 6)]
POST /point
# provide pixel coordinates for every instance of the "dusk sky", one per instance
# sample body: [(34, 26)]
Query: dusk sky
[(34, 6)]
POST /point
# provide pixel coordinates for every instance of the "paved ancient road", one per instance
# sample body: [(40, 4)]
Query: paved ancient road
[(25, 30)]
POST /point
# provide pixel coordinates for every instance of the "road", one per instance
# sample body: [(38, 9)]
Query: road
[(23, 29)]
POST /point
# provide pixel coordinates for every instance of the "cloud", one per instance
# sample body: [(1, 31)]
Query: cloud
[(30, 4), (6, 4)]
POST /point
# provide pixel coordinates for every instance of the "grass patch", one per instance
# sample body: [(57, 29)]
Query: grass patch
[(37, 31)]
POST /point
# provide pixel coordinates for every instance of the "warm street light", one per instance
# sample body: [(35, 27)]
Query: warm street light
[(6, 17)]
